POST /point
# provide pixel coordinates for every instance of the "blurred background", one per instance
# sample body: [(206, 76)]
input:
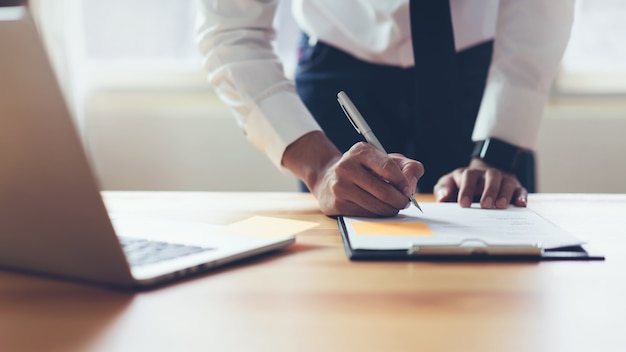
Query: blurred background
[(133, 79)]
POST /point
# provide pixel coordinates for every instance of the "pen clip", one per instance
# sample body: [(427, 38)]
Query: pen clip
[(357, 120), (349, 116)]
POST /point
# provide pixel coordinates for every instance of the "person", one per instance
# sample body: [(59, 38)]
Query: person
[(506, 54)]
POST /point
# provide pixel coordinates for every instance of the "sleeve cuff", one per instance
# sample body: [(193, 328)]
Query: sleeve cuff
[(276, 122), (510, 113)]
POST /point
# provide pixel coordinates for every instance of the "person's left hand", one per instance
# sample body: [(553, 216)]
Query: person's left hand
[(496, 188)]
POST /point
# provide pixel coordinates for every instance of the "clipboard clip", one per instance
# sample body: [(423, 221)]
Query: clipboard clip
[(476, 247)]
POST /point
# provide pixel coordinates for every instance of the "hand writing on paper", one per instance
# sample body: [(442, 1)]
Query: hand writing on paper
[(361, 182), (497, 189)]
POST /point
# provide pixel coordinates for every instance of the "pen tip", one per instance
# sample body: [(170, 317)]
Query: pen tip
[(415, 203)]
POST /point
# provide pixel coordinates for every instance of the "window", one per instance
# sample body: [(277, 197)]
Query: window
[(136, 44), (595, 60), (141, 44)]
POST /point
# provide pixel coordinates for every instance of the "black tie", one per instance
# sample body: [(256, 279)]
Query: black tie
[(443, 140)]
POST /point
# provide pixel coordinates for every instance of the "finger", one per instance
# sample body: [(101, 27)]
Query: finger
[(388, 169), (469, 186), (348, 208), (382, 197), (361, 206), (508, 186), (446, 188), (493, 183), (520, 197), (345, 197), (373, 204), (379, 196), (412, 170), (380, 175)]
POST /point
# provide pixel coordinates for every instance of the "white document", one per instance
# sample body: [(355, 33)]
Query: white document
[(449, 224)]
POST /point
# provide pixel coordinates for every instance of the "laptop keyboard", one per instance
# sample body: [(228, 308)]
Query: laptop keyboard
[(141, 251)]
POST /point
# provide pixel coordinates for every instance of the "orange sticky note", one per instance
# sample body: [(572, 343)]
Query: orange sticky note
[(267, 227), (392, 228)]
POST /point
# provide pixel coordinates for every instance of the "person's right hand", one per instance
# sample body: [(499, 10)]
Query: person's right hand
[(361, 182)]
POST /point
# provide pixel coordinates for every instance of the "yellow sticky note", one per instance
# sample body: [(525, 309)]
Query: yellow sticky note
[(392, 228), (267, 227)]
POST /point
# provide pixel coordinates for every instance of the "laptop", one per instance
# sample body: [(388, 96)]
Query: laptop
[(53, 220)]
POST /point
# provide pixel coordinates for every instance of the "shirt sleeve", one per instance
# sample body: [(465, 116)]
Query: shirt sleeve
[(531, 37), (235, 40)]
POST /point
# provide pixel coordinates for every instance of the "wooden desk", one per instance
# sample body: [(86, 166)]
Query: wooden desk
[(311, 298)]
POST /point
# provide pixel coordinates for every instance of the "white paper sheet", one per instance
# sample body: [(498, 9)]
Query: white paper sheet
[(449, 224)]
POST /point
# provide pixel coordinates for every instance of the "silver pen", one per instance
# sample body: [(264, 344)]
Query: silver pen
[(357, 120)]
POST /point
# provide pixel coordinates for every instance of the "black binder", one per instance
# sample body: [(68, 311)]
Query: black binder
[(465, 249)]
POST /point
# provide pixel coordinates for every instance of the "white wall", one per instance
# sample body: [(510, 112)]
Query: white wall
[(582, 146), (168, 141), (189, 141)]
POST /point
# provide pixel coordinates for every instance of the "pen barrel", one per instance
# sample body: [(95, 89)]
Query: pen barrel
[(371, 138)]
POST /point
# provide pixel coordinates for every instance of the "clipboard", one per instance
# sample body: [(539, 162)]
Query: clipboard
[(434, 244)]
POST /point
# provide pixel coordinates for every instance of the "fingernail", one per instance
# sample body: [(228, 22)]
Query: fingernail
[(523, 200), (488, 202), (413, 182), (442, 193), (502, 203), (407, 191), (466, 202)]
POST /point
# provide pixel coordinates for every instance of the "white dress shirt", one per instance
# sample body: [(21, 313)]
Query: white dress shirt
[(235, 39)]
